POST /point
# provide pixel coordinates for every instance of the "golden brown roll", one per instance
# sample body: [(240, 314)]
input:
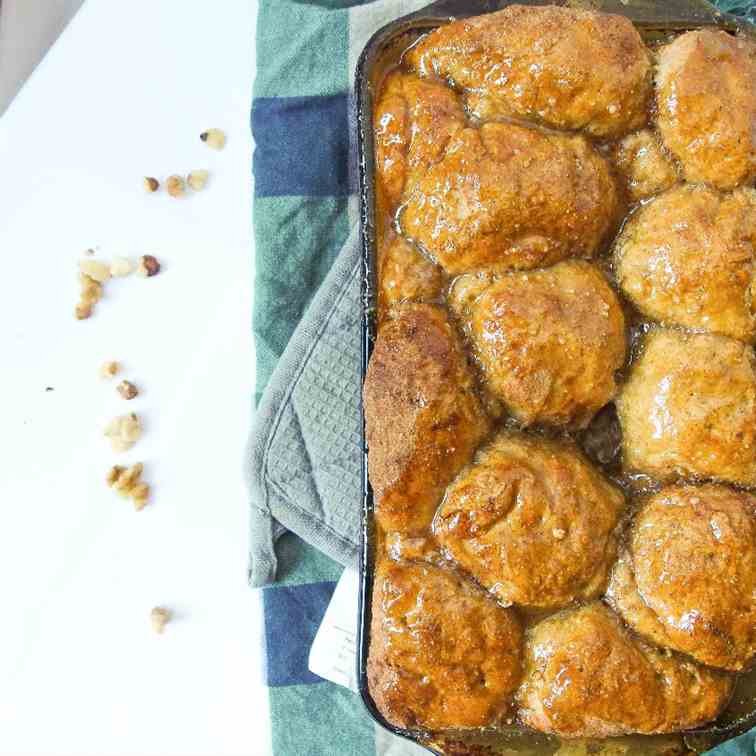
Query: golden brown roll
[(532, 521), (644, 164), (548, 341), (586, 676), (423, 417), (689, 408), (564, 67), (687, 580), (506, 197), (442, 653), (706, 101), (687, 258), (406, 275), (413, 121)]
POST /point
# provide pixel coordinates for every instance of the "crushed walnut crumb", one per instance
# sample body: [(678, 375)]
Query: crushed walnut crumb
[(94, 269), (120, 266), (148, 266), (197, 180), (159, 618), (109, 369), (124, 431), (151, 184), (128, 483), (127, 390), (90, 293), (174, 185), (214, 138)]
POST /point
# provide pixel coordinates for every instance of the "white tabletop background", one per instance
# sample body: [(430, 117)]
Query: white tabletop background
[(124, 93)]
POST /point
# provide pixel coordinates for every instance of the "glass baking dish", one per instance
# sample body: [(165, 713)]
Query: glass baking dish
[(655, 19)]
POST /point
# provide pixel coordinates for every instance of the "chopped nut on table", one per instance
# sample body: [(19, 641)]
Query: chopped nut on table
[(94, 269), (121, 266), (174, 185), (151, 184), (159, 617), (197, 180), (109, 369), (148, 266), (139, 495), (124, 432), (90, 290), (214, 138), (127, 482), (127, 390), (90, 294)]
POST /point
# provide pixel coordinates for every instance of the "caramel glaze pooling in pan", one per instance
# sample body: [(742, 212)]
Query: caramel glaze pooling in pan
[(506, 145)]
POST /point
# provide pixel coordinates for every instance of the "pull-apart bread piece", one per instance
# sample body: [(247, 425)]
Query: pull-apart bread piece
[(413, 122), (587, 676), (507, 197), (689, 408), (644, 165), (423, 416), (687, 579), (548, 341), (567, 68), (406, 275), (532, 521), (687, 258), (443, 654), (706, 102)]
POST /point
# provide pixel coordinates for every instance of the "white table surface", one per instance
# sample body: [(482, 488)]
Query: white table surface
[(125, 93)]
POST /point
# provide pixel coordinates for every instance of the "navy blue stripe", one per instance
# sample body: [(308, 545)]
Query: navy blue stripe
[(301, 146), (293, 614)]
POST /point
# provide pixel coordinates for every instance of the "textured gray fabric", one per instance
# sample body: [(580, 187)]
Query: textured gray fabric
[(304, 464)]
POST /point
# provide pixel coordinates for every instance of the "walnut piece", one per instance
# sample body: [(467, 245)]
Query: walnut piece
[(159, 617), (94, 269), (127, 389), (127, 482), (109, 369), (174, 185), (214, 138), (151, 184), (124, 432), (139, 495), (90, 293), (197, 180), (121, 266), (90, 290), (148, 266)]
